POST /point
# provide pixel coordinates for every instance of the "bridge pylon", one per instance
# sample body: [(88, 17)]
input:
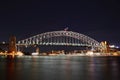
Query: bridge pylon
[(12, 48)]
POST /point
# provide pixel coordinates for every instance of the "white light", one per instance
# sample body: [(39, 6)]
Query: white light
[(34, 54), (19, 53), (112, 46), (117, 47), (90, 53), (3, 42)]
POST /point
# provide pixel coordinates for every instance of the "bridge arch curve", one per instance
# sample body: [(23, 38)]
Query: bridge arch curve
[(60, 38)]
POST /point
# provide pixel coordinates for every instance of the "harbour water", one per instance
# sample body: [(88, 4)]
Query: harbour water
[(60, 68)]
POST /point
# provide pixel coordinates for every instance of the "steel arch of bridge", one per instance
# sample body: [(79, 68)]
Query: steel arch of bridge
[(60, 38)]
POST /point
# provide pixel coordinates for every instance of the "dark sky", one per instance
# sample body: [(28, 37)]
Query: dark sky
[(97, 19)]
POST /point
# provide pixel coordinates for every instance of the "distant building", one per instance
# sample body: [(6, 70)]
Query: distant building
[(105, 47), (37, 50)]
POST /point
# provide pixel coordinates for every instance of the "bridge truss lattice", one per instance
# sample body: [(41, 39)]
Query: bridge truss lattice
[(60, 38)]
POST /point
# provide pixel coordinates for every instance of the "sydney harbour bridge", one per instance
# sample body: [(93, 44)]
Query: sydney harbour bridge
[(53, 38), (63, 37)]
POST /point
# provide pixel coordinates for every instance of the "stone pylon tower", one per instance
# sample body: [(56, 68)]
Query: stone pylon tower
[(12, 45)]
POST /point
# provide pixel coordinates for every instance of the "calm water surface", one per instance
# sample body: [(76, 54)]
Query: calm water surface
[(60, 68)]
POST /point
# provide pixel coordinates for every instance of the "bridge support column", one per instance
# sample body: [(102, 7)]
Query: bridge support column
[(12, 47)]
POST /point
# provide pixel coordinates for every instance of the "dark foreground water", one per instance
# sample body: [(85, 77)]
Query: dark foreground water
[(60, 68)]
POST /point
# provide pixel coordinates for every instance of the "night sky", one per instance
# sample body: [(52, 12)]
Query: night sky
[(97, 19)]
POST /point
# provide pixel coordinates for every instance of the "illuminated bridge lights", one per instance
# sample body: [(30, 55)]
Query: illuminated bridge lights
[(60, 38)]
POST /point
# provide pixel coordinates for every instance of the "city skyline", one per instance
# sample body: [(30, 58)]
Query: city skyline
[(97, 19)]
